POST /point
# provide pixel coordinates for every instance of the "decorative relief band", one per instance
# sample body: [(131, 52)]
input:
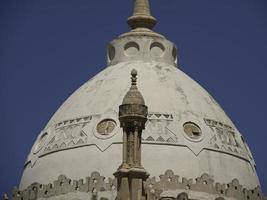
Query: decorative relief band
[(160, 128), (70, 134), (169, 184), (157, 129), (79, 120), (225, 138)]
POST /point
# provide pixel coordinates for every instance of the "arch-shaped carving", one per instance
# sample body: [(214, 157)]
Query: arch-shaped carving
[(157, 49), (131, 49), (182, 196)]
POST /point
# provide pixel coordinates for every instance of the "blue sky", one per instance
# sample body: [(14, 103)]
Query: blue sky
[(49, 48)]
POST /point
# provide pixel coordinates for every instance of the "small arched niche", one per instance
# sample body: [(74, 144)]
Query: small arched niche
[(131, 49), (157, 49), (111, 52)]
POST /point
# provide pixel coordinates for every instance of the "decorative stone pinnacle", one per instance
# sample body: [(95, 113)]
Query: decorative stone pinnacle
[(131, 175), (134, 78), (133, 96), (141, 16)]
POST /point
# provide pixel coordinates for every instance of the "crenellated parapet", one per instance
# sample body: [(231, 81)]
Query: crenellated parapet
[(63, 185), (168, 187)]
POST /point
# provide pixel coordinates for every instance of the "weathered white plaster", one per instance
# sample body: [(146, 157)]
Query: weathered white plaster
[(166, 90)]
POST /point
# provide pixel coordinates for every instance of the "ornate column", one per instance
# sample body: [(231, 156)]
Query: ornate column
[(133, 116)]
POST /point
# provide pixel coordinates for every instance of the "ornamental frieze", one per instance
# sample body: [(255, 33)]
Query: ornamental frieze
[(102, 131), (225, 138)]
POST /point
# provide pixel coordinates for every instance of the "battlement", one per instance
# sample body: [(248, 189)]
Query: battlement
[(168, 187)]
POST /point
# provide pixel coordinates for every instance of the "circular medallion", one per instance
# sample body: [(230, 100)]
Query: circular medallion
[(192, 131), (105, 128)]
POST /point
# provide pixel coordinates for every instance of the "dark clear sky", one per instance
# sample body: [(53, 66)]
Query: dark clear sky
[(49, 48)]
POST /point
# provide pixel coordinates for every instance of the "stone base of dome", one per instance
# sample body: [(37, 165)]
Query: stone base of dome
[(168, 187)]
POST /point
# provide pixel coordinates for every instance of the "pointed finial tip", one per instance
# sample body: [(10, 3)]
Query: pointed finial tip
[(134, 79), (133, 96), (141, 17), (134, 72)]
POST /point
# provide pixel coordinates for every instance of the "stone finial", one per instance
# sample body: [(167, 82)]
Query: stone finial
[(134, 79), (5, 197), (141, 16), (133, 96)]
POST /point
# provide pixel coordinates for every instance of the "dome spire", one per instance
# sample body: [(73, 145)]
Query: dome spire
[(133, 96), (134, 79), (141, 17)]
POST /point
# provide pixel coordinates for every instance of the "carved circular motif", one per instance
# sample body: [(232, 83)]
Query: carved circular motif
[(192, 131), (106, 128), (40, 143)]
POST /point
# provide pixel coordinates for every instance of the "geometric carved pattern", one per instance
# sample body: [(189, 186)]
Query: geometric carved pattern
[(157, 129), (68, 134), (95, 184), (224, 138)]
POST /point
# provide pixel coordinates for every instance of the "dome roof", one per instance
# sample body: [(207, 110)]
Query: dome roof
[(187, 131), (74, 144)]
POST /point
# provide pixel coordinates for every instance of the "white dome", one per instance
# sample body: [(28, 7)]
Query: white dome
[(187, 131)]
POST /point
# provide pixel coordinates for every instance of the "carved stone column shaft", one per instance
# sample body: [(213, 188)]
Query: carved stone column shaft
[(133, 116)]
